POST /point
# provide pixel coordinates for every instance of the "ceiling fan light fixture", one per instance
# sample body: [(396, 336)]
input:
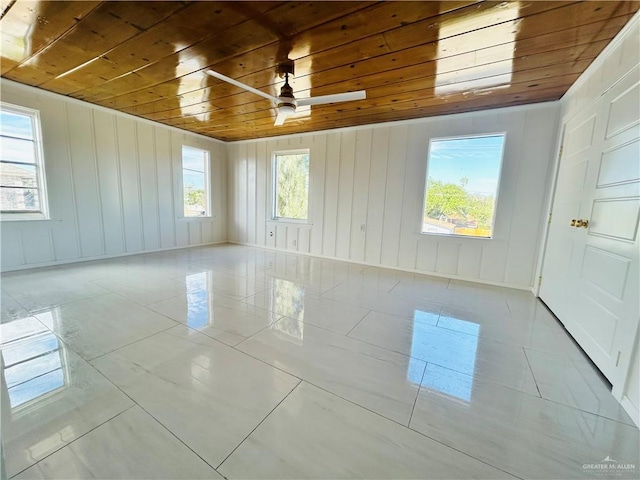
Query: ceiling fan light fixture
[(286, 109)]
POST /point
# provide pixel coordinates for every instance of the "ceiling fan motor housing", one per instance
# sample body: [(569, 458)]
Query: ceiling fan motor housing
[(286, 98)]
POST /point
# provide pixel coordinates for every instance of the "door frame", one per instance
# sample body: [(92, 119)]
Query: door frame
[(553, 182)]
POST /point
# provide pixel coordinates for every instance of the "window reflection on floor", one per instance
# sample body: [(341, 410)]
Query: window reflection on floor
[(450, 356), (288, 299), (199, 311), (454, 384), (34, 368)]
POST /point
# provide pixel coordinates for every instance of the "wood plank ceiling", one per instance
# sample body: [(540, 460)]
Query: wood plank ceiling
[(415, 59)]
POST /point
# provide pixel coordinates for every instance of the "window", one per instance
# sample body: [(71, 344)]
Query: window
[(291, 185), (195, 182), (462, 185), (22, 185)]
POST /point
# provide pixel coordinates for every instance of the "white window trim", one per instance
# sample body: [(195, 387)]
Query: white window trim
[(43, 214), (426, 182), (207, 179), (274, 191)]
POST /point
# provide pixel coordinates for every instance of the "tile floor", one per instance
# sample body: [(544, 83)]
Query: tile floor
[(237, 362)]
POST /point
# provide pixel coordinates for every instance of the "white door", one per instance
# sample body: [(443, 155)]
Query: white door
[(590, 276)]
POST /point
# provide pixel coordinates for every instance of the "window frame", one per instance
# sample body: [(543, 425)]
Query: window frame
[(498, 183), (274, 183), (207, 184), (41, 179)]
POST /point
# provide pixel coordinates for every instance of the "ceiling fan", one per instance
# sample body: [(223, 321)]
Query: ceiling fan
[(286, 103)]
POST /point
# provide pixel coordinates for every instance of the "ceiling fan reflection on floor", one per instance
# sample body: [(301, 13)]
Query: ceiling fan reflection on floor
[(286, 103)]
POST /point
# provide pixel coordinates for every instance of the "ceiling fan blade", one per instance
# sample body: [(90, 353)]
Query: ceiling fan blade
[(282, 116), (242, 85), (338, 97)]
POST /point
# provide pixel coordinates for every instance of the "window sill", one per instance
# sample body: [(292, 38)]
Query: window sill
[(292, 221), (454, 236), (21, 217), (195, 219)]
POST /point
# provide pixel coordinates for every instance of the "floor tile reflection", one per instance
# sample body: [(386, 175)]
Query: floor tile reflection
[(99, 325), (294, 301), (51, 396), (131, 445), (378, 379), (462, 352), (524, 435), (268, 364), (219, 317), (322, 436), (44, 288), (10, 309), (207, 394), (574, 382)]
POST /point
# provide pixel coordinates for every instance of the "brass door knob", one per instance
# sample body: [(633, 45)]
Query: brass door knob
[(582, 223), (573, 222)]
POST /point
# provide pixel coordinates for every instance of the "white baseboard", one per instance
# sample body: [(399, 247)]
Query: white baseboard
[(527, 288), (104, 257)]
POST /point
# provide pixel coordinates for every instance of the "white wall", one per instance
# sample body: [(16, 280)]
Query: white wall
[(114, 185), (375, 176), (616, 61)]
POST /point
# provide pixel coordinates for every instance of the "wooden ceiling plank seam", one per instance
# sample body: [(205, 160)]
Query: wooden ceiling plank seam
[(122, 106), (533, 73), (536, 74), (64, 32), (551, 43), (558, 52), (413, 59), (195, 4), (424, 112), (373, 120), (248, 21), (422, 94), (389, 4), (112, 27), (185, 6)]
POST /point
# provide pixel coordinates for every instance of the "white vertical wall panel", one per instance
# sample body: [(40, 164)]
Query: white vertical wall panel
[(241, 195), (345, 193), (360, 195), (331, 184), (36, 244), (130, 181), (108, 176), (233, 152), (148, 186), (113, 184), (251, 192), (448, 258), (470, 260), (165, 184), (261, 192), (85, 180), (377, 192), (376, 176), (413, 197), (317, 170), (55, 135), (521, 242), (11, 253), (394, 197), (428, 254)]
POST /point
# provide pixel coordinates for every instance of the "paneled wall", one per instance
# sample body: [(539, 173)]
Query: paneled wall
[(367, 191), (618, 60), (114, 186)]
